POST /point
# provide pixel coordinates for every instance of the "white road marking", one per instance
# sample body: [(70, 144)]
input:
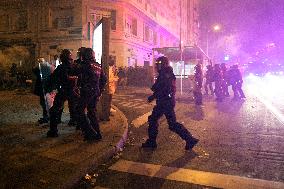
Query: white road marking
[(194, 177), (141, 120)]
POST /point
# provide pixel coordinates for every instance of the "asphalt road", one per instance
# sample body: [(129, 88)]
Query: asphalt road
[(241, 144)]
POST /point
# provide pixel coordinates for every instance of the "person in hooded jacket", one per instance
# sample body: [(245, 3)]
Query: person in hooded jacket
[(92, 82), (164, 92)]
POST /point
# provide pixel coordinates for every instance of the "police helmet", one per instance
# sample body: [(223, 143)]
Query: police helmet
[(88, 54), (163, 61), (65, 55), (80, 51)]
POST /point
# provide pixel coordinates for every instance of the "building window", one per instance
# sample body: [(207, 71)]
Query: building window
[(128, 25), (4, 22), (99, 14), (148, 34), (134, 26), (155, 38), (62, 17), (131, 25), (113, 19), (19, 21)]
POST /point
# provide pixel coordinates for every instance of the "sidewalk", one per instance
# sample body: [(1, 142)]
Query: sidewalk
[(30, 160)]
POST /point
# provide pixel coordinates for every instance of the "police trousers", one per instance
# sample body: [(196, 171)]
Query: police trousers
[(57, 108), (166, 109), (238, 91), (90, 129)]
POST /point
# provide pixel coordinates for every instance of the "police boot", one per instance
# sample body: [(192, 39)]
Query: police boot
[(149, 144), (52, 134), (190, 143), (43, 120), (185, 135)]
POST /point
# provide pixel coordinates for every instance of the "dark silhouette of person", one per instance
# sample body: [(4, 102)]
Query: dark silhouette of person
[(64, 79), (217, 77), (209, 80), (237, 82), (198, 80), (164, 92), (92, 82)]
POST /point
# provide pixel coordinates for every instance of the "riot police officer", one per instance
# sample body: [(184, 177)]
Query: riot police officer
[(198, 80), (164, 92), (64, 77), (218, 83), (209, 79), (225, 80), (92, 81), (77, 66), (80, 53), (237, 82)]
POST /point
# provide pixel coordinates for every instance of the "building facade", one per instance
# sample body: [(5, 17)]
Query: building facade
[(47, 26)]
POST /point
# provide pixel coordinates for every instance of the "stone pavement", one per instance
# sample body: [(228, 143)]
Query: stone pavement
[(30, 160)]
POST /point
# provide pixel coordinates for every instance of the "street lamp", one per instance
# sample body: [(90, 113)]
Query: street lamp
[(215, 28)]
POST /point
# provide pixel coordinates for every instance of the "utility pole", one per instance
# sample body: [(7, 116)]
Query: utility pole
[(180, 46)]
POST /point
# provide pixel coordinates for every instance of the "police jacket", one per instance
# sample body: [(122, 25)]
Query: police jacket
[(92, 79), (198, 77), (164, 88), (209, 75), (64, 78), (236, 77)]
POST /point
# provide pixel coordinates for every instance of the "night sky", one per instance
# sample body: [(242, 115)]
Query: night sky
[(256, 22)]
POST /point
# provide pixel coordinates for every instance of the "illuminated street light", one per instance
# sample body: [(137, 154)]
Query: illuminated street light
[(215, 28)]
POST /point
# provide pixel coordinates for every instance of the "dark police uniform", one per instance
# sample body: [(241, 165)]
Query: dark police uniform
[(218, 83), (65, 78), (164, 92), (92, 81), (198, 78), (237, 82), (225, 80), (209, 79)]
